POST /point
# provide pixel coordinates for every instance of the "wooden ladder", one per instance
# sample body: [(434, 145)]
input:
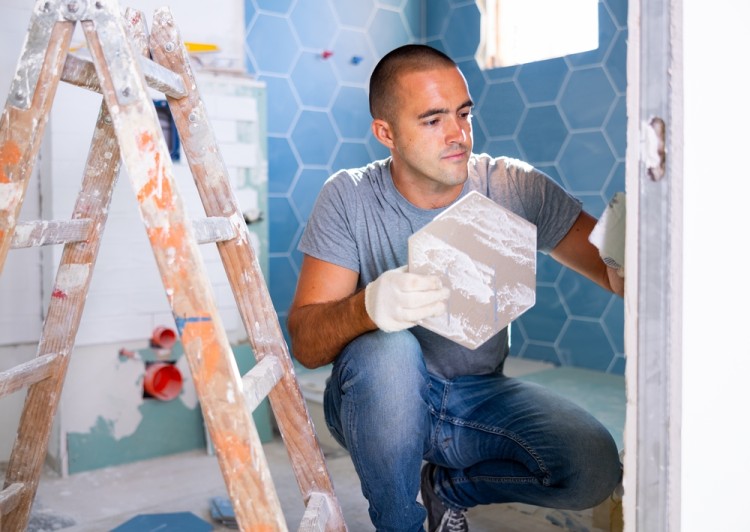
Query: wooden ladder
[(125, 61)]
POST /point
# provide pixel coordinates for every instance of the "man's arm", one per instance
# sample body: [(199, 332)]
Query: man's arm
[(327, 312), (577, 253)]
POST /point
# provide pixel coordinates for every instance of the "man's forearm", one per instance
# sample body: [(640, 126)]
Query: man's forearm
[(320, 331)]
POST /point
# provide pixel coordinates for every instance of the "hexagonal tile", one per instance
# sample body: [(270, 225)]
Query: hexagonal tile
[(314, 23), (350, 44), (281, 103), (436, 20), (277, 6), (463, 31), (500, 109), (283, 224), (314, 80), (619, 10), (617, 62), (351, 112), (412, 11), (282, 165), (272, 44), (587, 98), (486, 255), (547, 269), (541, 81), (389, 30), (584, 344), (474, 76), (351, 155), (503, 147), (616, 127), (306, 190), (588, 160), (543, 322), (581, 300), (353, 13), (282, 283), (542, 134), (614, 323), (314, 137)]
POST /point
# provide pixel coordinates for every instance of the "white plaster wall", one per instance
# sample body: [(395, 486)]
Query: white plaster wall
[(716, 293)]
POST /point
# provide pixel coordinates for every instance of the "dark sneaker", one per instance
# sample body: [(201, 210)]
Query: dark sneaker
[(440, 518)]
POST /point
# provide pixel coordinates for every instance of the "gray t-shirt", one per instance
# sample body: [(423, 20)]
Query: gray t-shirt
[(361, 222)]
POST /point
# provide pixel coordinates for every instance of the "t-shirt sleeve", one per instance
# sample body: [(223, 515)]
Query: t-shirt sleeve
[(328, 234), (546, 204)]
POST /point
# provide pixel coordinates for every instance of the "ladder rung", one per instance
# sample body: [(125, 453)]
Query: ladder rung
[(42, 233), (213, 229), (316, 514), (9, 497), (81, 72), (260, 380), (35, 370)]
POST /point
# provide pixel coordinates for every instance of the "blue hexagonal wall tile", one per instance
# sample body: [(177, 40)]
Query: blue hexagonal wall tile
[(282, 104), (547, 269), (541, 81), (586, 162), (283, 281), (350, 44), (351, 155), (545, 319), (581, 302), (391, 31), (272, 44), (542, 134), (616, 127), (314, 137), (283, 224), (314, 23), (616, 61), (353, 13), (614, 320), (413, 13), (587, 98), (474, 77), (282, 165), (277, 6), (437, 16), (500, 109), (314, 80), (584, 344), (306, 190), (619, 10), (351, 112), (503, 147), (463, 32)]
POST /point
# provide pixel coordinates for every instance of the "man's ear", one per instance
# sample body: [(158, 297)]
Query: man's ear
[(383, 132)]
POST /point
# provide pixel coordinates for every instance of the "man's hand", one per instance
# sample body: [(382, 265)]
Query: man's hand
[(398, 299)]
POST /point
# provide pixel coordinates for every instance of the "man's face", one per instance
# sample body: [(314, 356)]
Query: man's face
[(431, 129)]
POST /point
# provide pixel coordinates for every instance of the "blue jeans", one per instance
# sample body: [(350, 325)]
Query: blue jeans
[(494, 438)]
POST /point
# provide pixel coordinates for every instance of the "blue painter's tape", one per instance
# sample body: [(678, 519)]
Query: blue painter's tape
[(181, 322)]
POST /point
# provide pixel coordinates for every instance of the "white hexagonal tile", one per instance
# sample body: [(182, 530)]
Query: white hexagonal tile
[(486, 256)]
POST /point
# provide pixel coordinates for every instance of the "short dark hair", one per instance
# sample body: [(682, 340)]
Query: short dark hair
[(410, 57)]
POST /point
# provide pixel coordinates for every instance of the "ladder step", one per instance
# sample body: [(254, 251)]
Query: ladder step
[(260, 380), (9, 497), (45, 232), (35, 370), (81, 72), (316, 514), (213, 229)]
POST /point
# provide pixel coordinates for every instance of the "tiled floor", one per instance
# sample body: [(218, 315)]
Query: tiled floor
[(103, 499)]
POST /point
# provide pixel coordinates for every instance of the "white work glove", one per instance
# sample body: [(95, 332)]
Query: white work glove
[(398, 299), (609, 234)]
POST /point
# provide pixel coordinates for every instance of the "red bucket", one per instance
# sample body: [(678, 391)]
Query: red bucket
[(163, 381), (163, 337)]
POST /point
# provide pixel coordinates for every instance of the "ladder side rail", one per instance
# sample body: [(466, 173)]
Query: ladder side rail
[(25, 115), (63, 317), (206, 346), (243, 270)]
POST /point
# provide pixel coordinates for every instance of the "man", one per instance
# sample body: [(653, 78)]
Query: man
[(399, 394)]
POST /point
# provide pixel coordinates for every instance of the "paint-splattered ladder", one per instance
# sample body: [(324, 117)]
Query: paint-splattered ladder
[(128, 129)]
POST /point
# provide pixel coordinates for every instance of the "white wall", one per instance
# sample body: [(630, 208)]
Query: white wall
[(716, 293)]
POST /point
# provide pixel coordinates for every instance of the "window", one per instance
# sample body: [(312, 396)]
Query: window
[(522, 31)]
